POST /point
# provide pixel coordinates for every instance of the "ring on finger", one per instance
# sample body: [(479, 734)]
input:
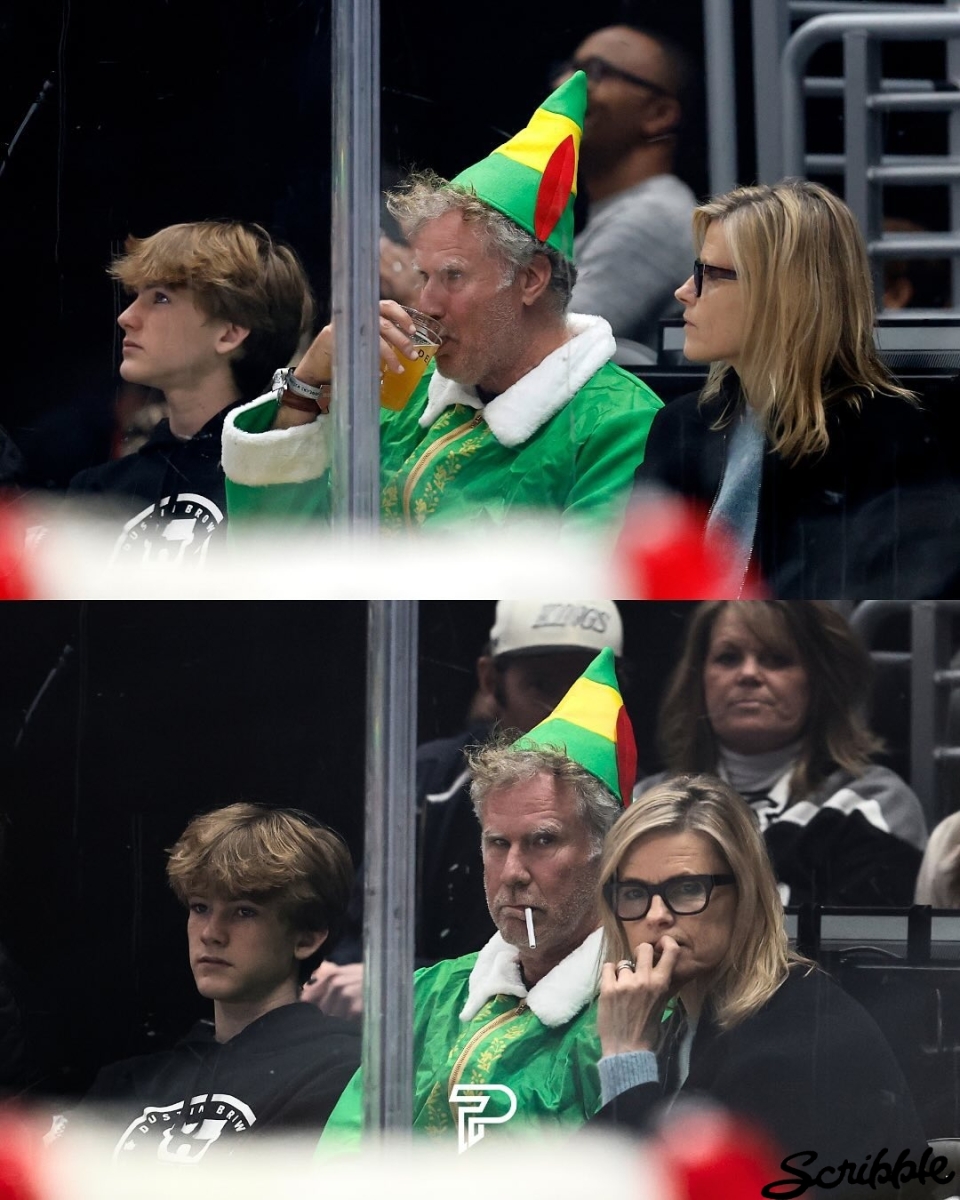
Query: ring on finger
[(624, 964)]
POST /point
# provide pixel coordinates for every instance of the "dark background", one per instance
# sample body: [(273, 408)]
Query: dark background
[(119, 722), (173, 110)]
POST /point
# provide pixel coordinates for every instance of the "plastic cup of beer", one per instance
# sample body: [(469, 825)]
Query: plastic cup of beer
[(396, 390)]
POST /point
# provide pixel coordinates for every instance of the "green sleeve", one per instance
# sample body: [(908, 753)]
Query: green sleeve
[(608, 457), (345, 1124), (287, 501)]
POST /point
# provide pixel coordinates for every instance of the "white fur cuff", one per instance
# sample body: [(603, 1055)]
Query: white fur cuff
[(276, 456)]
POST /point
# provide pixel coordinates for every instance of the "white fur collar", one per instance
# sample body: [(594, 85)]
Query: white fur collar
[(558, 996), (516, 414)]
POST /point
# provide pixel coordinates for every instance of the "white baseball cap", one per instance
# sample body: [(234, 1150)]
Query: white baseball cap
[(542, 626)]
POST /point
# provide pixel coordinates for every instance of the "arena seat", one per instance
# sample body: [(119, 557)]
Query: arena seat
[(922, 351), (903, 966)]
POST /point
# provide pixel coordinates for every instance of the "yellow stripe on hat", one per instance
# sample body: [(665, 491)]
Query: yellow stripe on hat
[(592, 706), (533, 145)]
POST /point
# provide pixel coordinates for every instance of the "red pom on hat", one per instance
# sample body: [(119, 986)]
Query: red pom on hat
[(626, 757), (554, 190)]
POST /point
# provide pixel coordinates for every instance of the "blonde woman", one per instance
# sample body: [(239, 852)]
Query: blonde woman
[(692, 919), (800, 425)]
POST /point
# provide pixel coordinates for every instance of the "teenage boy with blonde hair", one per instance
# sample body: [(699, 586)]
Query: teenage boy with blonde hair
[(266, 891), (215, 305)]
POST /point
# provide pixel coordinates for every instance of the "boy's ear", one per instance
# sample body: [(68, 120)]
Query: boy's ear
[(309, 942), (230, 339)]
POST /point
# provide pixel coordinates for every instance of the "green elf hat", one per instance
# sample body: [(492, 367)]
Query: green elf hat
[(591, 726), (532, 179)]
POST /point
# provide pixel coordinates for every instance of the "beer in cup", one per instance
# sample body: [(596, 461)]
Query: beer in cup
[(396, 390)]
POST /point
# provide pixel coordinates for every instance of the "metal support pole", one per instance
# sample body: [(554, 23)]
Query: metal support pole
[(388, 867), (771, 28), (953, 126), (929, 639), (355, 467), (862, 140), (721, 94)]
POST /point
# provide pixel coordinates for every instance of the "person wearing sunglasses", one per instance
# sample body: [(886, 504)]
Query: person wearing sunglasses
[(801, 447), (636, 242), (702, 998)]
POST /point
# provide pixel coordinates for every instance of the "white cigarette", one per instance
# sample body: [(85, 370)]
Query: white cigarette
[(531, 936)]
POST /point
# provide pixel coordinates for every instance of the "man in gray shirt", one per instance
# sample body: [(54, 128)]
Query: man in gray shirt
[(636, 247)]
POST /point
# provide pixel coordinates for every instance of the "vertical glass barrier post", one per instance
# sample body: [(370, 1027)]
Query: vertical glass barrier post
[(355, 467), (720, 56), (388, 866)]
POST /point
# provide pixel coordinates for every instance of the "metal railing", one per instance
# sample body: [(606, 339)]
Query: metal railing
[(771, 22), (932, 681), (782, 90)]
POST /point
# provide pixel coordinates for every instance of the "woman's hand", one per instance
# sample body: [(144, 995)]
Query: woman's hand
[(632, 1001)]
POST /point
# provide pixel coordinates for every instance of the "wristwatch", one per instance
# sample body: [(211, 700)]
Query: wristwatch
[(294, 393)]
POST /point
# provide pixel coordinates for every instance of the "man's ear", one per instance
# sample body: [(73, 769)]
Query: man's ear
[(486, 674), (231, 337), (534, 279), (662, 117), (308, 942)]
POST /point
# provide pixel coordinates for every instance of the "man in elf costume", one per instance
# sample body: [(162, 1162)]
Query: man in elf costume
[(522, 408), (517, 1019)]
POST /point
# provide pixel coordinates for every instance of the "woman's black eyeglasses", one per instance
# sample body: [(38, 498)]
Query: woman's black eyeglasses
[(597, 69), (682, 894), (701, 269)]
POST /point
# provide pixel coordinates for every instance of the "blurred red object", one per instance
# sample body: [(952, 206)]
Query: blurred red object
[(710, 1155), (661, 554), (14, 576), (20, 1152)]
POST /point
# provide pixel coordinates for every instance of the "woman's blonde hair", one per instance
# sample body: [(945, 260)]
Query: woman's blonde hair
[(759, 956), (838, 669), (808, 313)]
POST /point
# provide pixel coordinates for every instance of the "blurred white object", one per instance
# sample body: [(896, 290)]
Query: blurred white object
[(72, 561), (538, 1167)]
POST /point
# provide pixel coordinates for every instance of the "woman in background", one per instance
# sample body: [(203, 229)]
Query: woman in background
[(770, 696)]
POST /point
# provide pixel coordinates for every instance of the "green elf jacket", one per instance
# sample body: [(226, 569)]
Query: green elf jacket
[(476, 1023), (567, 437)]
